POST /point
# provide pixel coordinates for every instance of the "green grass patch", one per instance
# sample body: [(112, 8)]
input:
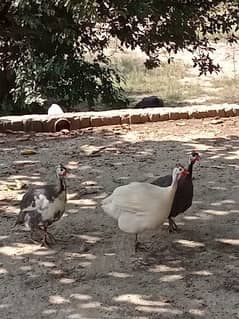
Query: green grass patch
[(165, 81)]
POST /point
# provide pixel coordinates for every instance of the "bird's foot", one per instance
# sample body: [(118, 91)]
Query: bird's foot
[(139, 246), (45, 243), (34, 240), (51, 238), (136, 246), (172, 227), (48, 240)]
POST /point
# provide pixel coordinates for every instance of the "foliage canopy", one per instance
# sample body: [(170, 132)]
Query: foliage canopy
[(56, 48)]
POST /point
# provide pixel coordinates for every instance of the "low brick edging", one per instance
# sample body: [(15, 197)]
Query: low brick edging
[(74, 121)]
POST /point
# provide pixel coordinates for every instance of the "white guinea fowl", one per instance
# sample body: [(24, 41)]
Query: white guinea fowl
[(41, 207), (142, 206)]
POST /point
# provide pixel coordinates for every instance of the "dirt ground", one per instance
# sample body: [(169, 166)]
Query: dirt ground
[(92, 272)]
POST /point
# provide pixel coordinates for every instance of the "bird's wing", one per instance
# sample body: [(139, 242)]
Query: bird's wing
[(33, 198), (163, 181), (134, 198)]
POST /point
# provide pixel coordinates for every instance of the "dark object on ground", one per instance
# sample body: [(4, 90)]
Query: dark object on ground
[(150, 101)]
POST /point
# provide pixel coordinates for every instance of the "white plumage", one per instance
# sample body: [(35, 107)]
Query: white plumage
[(141, 206)]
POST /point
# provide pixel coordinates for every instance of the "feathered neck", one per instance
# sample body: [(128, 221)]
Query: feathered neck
[(190, 168), (174, 181), (62, 184)]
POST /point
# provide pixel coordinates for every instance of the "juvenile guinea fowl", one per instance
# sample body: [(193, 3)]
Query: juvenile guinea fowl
[(184, 194), (141, 206), (41, 207)]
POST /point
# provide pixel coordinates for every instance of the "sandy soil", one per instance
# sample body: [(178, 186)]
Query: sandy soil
[(92, 271)]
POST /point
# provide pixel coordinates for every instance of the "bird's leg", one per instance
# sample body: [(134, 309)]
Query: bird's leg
[(48, 238), (51, 237), (136, 243), (172, 225), (44, 242), (175, 227), (32, 238)]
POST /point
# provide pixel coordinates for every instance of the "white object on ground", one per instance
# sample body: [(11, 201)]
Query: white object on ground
[(55, 109)]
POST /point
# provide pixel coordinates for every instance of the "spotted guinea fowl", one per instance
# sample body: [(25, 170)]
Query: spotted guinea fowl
[(184, 194), (40, 207), (142, 206)]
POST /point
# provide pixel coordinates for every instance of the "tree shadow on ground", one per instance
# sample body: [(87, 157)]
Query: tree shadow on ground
[(92, 271)]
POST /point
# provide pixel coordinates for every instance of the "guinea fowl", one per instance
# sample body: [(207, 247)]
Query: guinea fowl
[(142, 206), (41, 207), (184, 194)]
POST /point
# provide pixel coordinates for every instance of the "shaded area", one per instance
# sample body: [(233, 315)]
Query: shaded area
[(93, 272)]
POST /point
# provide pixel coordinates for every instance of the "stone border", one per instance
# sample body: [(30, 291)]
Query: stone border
[(74, 121)]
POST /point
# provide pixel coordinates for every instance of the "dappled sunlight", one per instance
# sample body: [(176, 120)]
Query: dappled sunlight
[(171, 278), (24, 177), (5, 305), (191, 217), (202, 273), (84, 202), (71, 211), (197, 312), (67, 281), (139, 300), (216, 212), (119, 274), (47, 264), (233, 242), (90, 239), (90, 305), (45, 252), (234, 211), (81, 297), (226, 201), (145, 305), (25, 162), (49, 312), (72, 165), (159, 310), (4, 237), (70, 256), (92, 271), (3, 271), (57, 299), (26, 268), (165, 268), (189, 243), (19, 249), (234, 155)]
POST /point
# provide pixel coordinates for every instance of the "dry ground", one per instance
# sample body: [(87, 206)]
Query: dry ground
[(92, 272)]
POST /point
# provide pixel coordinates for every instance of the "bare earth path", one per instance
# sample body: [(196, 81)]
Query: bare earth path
[(92, 271)]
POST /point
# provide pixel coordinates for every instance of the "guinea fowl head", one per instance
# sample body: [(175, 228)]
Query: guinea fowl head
[(179, 171), (194, 157), (61, 171)]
